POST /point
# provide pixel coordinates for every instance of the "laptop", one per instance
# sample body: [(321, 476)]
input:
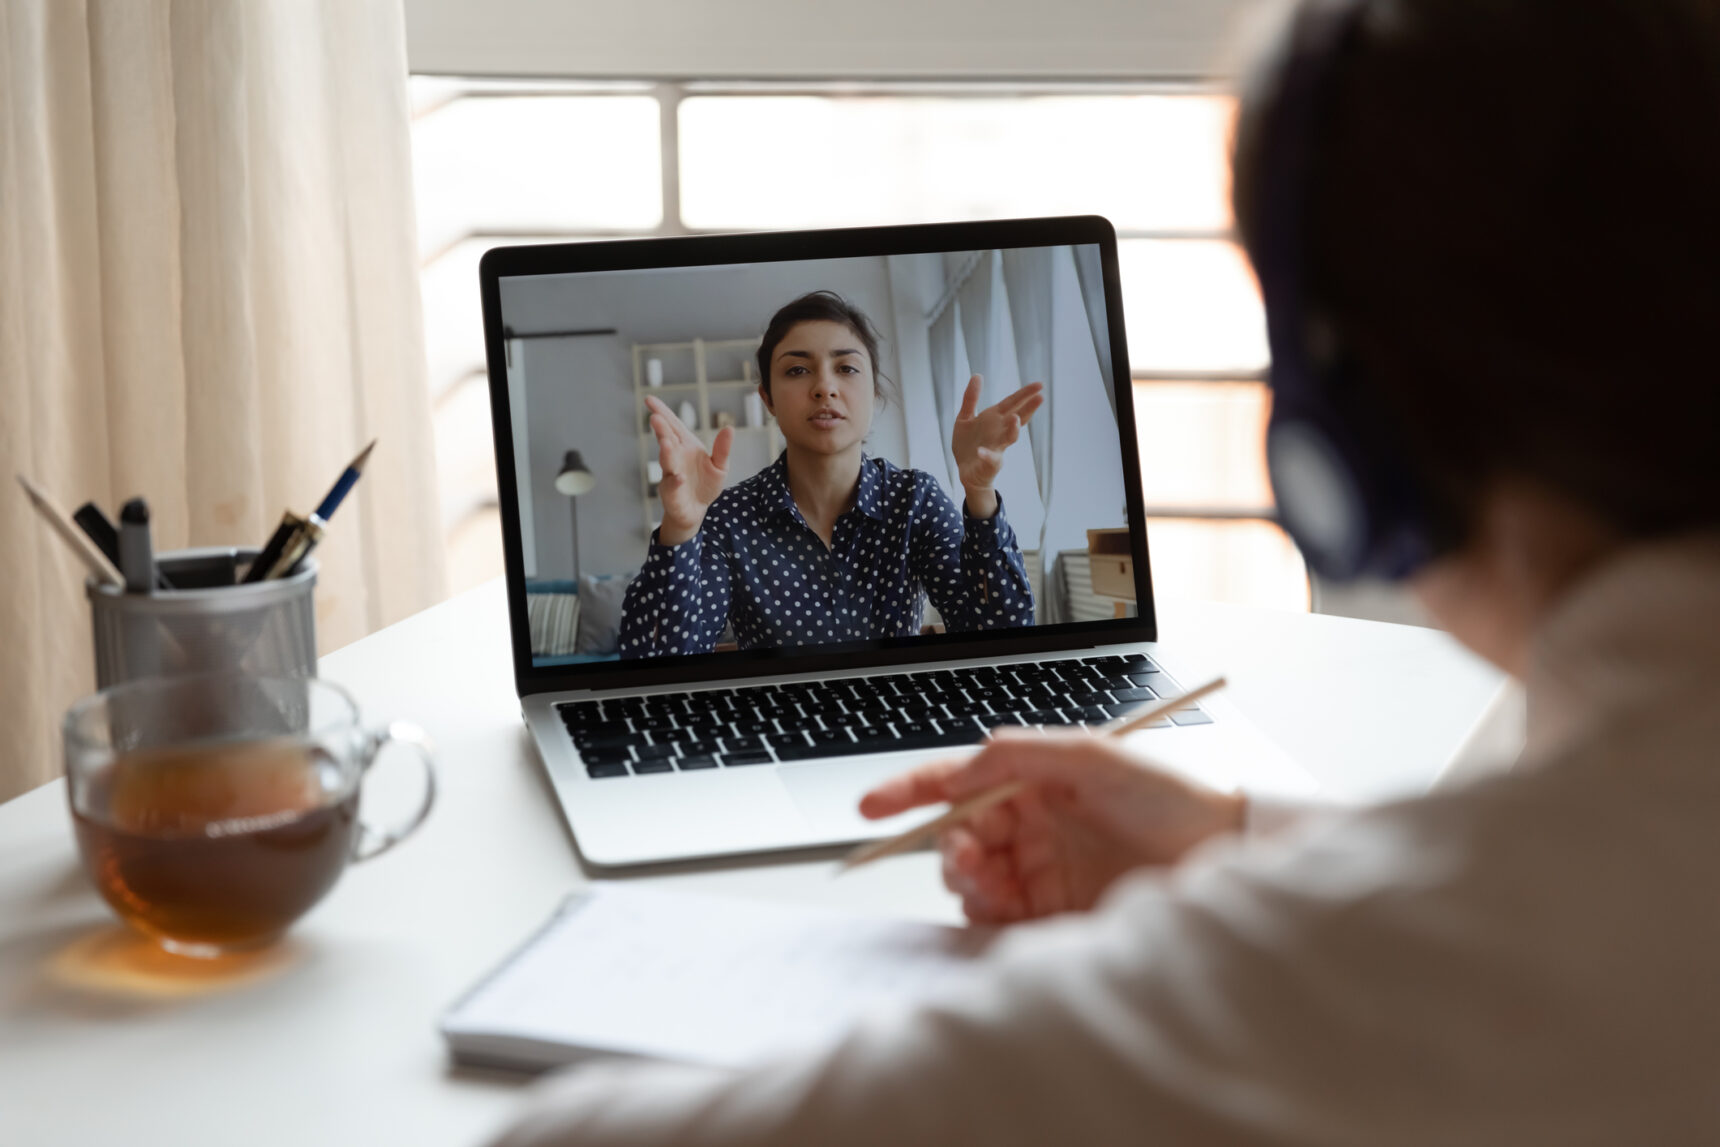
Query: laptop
[(733, 683)]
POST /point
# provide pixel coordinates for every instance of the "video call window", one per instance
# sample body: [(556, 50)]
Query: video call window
[(628, 388)]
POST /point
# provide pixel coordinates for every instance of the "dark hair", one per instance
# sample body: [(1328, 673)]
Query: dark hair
[(1513, 224), (821, 307)]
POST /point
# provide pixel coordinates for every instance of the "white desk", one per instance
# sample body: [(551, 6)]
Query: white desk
[(332, 1041)]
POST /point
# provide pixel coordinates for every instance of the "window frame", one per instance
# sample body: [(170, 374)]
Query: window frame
[(670, 94), (885, 40)]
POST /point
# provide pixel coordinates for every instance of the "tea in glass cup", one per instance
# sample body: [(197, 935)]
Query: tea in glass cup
[(214, 810)]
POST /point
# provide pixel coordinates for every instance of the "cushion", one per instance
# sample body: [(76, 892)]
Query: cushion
[(600, 611), (554, 623)]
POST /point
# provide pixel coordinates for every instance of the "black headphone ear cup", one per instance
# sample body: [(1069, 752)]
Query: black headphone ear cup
[(1319, 503)]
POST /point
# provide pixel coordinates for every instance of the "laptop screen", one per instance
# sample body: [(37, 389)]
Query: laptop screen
[(766, 457)]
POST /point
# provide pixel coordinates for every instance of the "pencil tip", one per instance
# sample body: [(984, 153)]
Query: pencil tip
[(358, 463)]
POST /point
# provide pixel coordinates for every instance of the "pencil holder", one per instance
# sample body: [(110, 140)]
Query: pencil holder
[(207, 622)]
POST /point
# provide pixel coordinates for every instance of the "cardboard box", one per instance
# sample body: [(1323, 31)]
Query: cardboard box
[(1111, 561)]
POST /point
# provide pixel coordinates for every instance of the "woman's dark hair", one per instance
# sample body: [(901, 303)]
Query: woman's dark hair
[(825, 307), (1514, 224)]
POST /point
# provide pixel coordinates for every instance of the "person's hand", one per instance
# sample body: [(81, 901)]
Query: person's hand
[(1091, 811), (981, 436), (692, 479)]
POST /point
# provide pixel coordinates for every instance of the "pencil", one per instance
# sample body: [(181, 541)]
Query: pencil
[(343, 485), (92, 557), (296, 537), (918, 835)]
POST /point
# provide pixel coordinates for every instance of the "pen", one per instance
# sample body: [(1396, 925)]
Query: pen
[(136, 547), (306, 534), (879, 849), (88, 552), (272, 550), (296, 537)]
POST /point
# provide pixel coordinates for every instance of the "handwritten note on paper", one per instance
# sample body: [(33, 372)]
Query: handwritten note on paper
[(635, 971)]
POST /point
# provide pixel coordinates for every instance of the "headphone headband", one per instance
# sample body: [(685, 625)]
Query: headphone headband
[(1342, 490)]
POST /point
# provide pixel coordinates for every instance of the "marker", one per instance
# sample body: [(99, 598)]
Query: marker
[(136, 548), (100, 530)]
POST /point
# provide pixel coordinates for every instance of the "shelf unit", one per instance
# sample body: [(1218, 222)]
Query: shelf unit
[(729, 394)]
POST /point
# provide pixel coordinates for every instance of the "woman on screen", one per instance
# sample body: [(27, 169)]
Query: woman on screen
[(827, 544)]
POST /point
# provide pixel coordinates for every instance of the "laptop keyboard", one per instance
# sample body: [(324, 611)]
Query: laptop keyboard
[(802, 720)]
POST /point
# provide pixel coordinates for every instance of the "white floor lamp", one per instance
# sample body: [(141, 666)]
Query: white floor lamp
[(574, 479)]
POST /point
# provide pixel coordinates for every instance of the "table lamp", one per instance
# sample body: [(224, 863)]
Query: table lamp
[(574, 479)]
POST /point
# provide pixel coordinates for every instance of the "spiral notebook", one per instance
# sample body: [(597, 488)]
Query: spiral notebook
[(627, 971)]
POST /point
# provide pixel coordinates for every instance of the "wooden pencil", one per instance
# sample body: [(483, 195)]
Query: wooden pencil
[(918, 835), (92, 557)]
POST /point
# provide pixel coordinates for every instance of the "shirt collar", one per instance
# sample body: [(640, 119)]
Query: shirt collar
[(773, 494), (1631, 636), (870, 500), (774, 497)]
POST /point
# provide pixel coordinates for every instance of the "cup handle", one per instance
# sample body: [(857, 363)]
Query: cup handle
[(373, 842)]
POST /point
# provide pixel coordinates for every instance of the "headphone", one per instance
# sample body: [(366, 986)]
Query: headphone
[(1344, 494)]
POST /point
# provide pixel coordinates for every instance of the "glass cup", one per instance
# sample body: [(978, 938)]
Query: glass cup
[(213, 810)]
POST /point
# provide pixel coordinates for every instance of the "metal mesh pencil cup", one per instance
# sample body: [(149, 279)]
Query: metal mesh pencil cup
[(267, 628)]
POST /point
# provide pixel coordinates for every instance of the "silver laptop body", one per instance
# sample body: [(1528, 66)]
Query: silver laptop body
[(724, 748)]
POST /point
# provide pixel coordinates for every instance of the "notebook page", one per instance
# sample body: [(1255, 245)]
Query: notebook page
[(701, 979)]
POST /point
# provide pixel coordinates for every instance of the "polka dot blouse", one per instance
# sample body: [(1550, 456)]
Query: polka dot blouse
[(757, 564)]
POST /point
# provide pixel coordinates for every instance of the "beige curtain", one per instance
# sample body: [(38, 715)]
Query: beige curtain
[(208, 296)]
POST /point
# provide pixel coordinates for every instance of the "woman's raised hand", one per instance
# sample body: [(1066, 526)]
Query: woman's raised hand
[(692, 478), (1090, 812), (981, 437)]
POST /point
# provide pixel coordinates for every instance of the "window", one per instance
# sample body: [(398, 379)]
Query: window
[(622, 159), (747, 160)]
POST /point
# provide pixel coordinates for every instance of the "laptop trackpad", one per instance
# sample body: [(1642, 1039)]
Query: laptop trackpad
[(828, 795)]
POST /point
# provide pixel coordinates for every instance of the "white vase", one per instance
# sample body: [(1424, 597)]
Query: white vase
[(689, 415), (654, 372), (755, 409)]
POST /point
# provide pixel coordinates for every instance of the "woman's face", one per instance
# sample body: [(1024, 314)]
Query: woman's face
[(821, 387)]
